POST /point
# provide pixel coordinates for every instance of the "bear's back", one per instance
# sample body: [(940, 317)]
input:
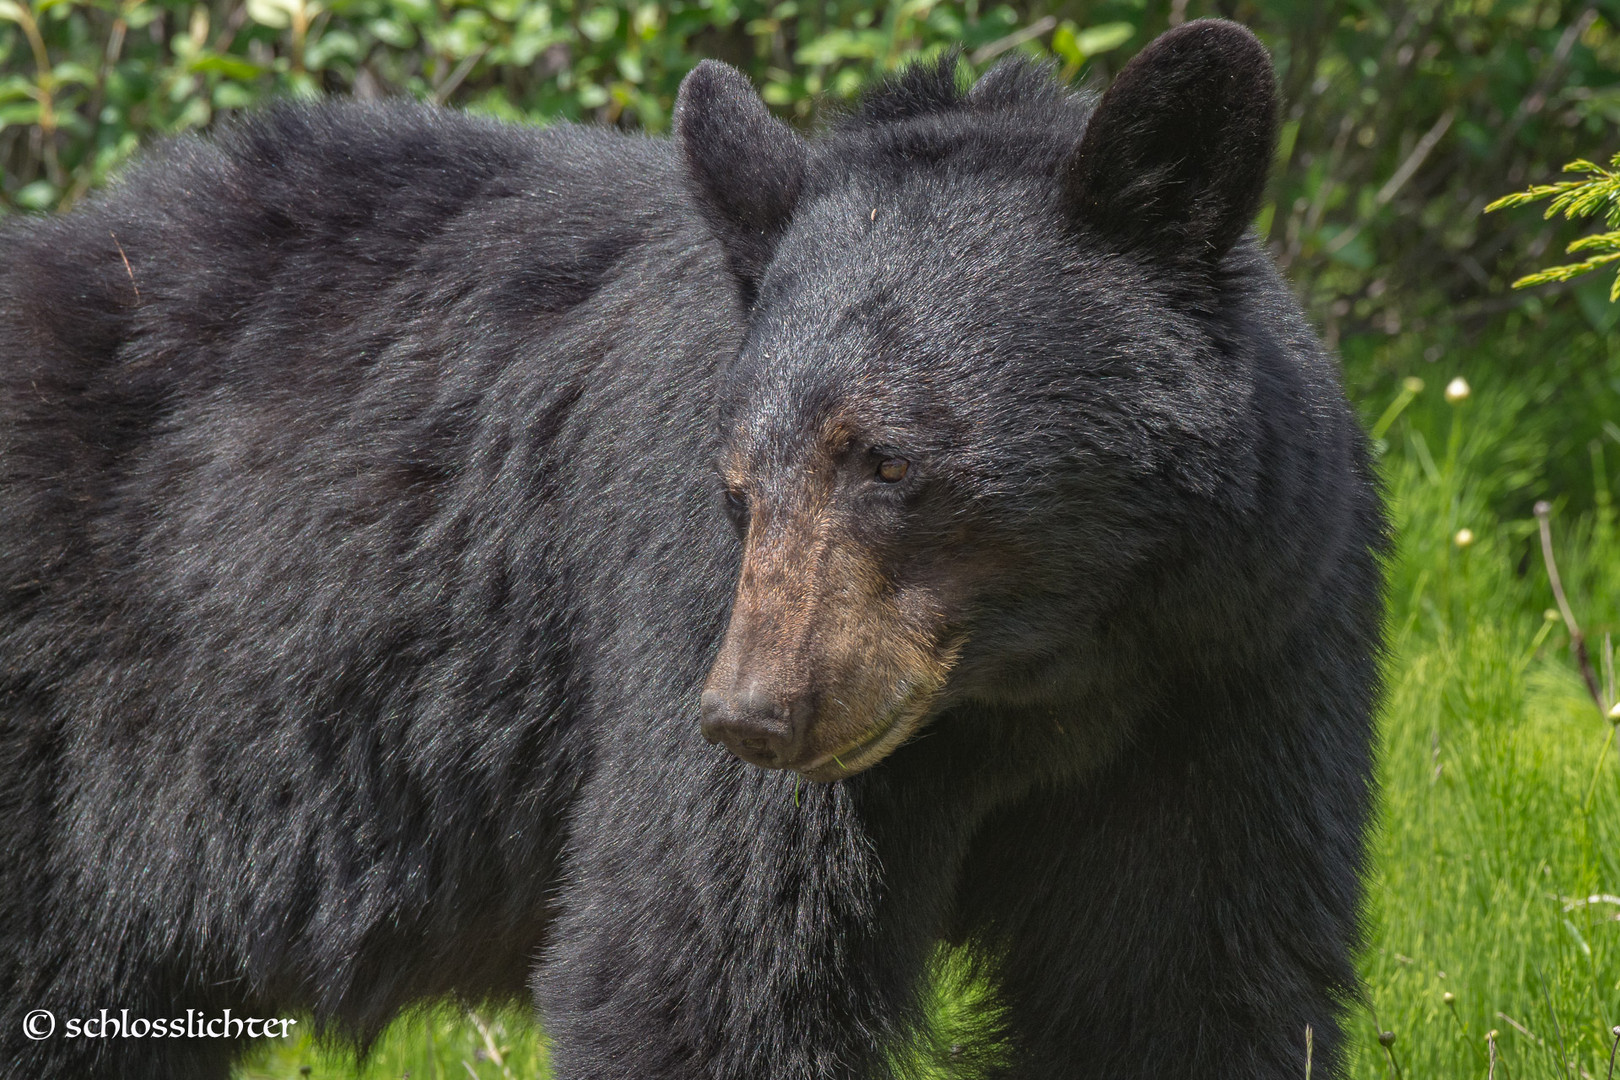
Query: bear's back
[(306, 319)]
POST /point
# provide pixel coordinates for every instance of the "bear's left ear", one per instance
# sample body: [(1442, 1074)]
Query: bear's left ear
[(1174, 160), (743, 165)]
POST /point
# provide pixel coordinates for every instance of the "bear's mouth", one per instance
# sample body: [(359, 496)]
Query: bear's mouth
[(879, 742)]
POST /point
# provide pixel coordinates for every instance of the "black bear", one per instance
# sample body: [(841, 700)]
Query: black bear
[(695, 578)]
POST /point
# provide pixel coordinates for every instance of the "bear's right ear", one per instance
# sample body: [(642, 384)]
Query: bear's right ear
[(743, 165), (1174, 160)]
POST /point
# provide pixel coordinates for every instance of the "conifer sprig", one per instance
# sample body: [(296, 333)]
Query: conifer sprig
[(1596, 192)]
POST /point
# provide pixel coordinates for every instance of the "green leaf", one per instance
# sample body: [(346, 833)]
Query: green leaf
[(332, 45), (418, 11), (230, 67), (16, 86), (836, 45), (1518, 198), (1357, 253), (39, 195), (19, 114), (277, 14), (140, 16), (1066, 44), (231, 95), (599, 23), (1595, 242), (70, 73), (395, 33), (1095, 40)]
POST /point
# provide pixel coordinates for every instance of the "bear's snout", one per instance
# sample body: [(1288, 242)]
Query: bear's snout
[(757, 725), (825, 667)]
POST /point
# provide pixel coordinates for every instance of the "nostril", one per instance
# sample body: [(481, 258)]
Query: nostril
[(752, 725), (757, 748)]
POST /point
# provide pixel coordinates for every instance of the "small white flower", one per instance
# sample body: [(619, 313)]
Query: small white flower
[(1457, 390), (1463, 538)]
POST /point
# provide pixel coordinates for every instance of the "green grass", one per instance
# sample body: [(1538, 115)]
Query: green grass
[(1501, 799), (444, 1043), (1501, 793)]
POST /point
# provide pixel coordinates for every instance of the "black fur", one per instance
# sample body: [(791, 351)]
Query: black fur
[(744, 165), (362, 554), (1177, 156)]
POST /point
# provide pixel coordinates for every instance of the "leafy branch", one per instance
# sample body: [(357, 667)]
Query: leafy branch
[(1597, 192)]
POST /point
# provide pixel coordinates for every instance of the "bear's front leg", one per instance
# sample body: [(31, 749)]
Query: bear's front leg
[(1191, 912), (721, 921)]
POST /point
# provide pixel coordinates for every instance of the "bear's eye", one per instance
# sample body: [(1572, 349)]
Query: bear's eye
[(737, 508), (892, 470)]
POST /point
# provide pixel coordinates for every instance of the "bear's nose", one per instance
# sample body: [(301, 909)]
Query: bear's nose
[(755, 725)]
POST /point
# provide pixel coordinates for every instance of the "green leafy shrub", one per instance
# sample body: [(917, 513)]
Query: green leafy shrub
[(83, 82), (1400, 122)]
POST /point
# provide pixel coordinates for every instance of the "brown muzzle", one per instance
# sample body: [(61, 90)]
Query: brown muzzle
[(826, 666)]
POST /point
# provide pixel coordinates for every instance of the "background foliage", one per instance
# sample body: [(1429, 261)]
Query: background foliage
[(1403, 117), (1497, 873)]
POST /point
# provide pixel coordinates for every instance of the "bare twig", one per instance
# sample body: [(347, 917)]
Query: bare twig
[(44, 84), (1415, 159), (489, 1043), (232, 26), (85, 173), (1012, 40), (1577, 640), (442, 92), (1398, 179), (1536, 99)]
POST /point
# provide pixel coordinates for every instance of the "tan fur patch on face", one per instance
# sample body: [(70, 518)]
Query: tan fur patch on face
[(817, 625)]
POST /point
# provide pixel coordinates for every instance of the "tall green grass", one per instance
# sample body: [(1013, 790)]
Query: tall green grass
[(1494, 896), (1495, 893), (446, 1042)]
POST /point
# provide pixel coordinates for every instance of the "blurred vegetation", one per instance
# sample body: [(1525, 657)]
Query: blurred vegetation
[(1402, 120)]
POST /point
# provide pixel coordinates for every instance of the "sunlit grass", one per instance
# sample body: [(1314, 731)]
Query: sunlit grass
[(444, 1043), (1496, 889)]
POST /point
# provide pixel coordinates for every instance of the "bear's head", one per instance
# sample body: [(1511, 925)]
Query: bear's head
[(978, 385)]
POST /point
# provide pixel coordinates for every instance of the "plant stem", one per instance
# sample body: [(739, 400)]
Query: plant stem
[(1577, 640)]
